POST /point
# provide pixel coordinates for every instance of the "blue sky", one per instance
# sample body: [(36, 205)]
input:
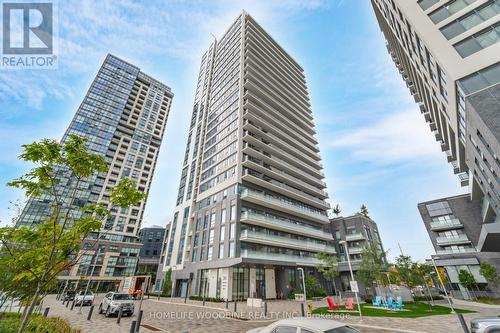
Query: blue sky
[(375, 145)]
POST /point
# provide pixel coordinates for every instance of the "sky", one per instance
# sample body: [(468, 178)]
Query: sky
[(377, 149)]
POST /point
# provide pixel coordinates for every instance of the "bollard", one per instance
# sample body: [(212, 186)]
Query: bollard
[(72, 305), (138, 324), (265, 309), (90, 312), (203, 300), (235, 305), (67, 303), (302, 309), (463, 323), (227, 303), (132, 327), (46, 312), (119, 318)]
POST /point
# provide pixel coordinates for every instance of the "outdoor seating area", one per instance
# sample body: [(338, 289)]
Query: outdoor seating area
[(332, 306), (388, 303)]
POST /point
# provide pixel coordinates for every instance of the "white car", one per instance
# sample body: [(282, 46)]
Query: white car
[(305, 325), (485, 325), (83, 299), (112, 302)]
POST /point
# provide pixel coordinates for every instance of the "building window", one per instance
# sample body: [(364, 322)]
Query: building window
[(223, 216), (439, 208), (221, 250), (479, 41)]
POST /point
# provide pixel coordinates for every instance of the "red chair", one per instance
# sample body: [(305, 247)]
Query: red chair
[(331, 304), (349, 304)]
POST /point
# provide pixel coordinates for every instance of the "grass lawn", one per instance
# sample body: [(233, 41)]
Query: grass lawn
[(413, 310)]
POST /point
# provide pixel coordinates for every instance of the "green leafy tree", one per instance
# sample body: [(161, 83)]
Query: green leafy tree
[(466, 279), (489, 272), (364, 211), (337, 210), (409, 272), (373, 265), (167, 283), (328, 267), (33, 256)]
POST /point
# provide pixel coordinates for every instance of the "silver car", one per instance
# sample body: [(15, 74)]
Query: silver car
[(113, 301), (485, 325)]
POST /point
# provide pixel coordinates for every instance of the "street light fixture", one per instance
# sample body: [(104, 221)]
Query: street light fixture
[(442, 284), (303, 283), (344, 243)]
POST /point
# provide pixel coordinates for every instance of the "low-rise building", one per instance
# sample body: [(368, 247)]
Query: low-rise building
[(454, 227), (150, 254), (357, 231)]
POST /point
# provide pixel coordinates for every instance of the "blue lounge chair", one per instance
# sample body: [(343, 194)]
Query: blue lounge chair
[(377, 301), (390, 302), (398, 305), (385, 304)]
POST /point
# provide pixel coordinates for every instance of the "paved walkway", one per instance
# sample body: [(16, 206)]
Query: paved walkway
[(172, 315)]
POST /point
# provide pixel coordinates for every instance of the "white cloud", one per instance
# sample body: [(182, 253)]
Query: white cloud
[(399, 137)]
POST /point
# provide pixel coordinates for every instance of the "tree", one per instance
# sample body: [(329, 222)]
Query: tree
[(328, 267), (337, 210), (409, 272), (373, 265), (167, 284), (466, 279), (33, 256), (489, 272), (364, 211)]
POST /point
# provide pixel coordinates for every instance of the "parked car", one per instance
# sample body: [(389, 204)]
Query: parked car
[(113, 301), (70, 295), (84, 299), (306, 325), (489, 324)]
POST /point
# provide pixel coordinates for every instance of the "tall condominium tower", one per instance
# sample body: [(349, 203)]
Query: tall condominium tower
[(251, 202), (123, 117), (448, 53)]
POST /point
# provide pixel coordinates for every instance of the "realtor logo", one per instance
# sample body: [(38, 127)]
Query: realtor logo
[(27, 35)]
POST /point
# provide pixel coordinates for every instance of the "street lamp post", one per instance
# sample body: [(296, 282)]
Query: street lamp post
[(442, 284), (352, 276), (303, 284)]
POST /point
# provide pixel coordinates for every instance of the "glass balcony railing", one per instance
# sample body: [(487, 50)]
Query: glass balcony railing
[(451, 224), (356, 249), (260, 237), (460, 239), (282, 224), (452, 251), (354, 237), (303, 211), (304, 260)]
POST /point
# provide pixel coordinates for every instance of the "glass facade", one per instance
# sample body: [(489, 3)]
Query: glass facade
[(120, 97)]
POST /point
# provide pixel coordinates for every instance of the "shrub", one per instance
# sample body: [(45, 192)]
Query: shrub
[(10, 323), (208, 299), (426, 298)]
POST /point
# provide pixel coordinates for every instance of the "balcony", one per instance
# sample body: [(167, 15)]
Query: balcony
[(260, 154), (355, 237), (464, 178), (460, 239), (468, 250), (290, 243), (356, 250), (456, 167), (279, 204), (275, 150), (307, 261), (267, 221), (258, 165), (448, 225)]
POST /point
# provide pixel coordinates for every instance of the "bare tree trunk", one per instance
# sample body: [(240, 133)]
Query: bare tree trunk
[(29, 311)]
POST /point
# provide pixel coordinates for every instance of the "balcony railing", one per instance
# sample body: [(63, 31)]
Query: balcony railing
[(356, 250), (266, 199), (280, 224), (263, 238), (354, 237), (452, 224), (468, 250), (460, 239), (312, 261)]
